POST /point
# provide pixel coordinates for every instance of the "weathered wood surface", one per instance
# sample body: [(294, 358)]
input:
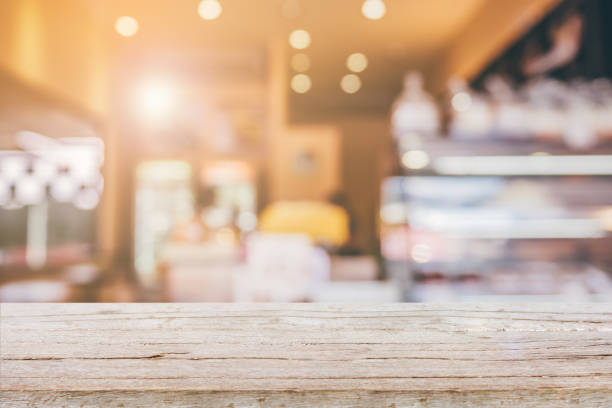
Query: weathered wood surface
[(305, 355)]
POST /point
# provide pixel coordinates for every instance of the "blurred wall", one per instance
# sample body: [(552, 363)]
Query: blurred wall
[(354, 147), (365, 140), (306, 163), (56, 45)]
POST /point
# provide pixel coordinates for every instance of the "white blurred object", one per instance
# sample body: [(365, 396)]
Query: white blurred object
[(414, 112), (358, 292), (63, 189), (281, 268), (13, 166), (601, 91), (86, 199), (578, 113), (5, 192), (472, 116), (44, 170), (579, 132), (63, 165), (509, 111), (35, 291), (36, 246), (546, 117), (29, 191)]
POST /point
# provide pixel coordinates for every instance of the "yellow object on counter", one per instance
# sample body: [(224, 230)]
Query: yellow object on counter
[(324, 223)]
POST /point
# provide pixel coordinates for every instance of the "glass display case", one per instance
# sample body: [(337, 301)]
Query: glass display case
[(48, 201), (477, 224)]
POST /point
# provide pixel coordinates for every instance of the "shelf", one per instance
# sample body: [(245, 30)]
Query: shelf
[(512, 158), (519, 147), (583, 165), (520, 229)]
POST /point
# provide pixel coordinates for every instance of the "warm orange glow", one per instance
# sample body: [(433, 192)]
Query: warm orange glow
[(300, 62), (29, 49)]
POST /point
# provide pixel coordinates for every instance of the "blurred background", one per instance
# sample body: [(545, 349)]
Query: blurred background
[(305, 150)]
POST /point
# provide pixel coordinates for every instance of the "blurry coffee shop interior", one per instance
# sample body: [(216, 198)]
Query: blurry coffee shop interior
[(305, 150)]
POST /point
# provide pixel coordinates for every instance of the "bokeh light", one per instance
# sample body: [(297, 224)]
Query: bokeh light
[(301, 83), (461, 101), (209, 9), (374, 9), (126, 26), (156, 99), (5, 192), (415, 159), (299, 39), (357, 62), (350, 83)]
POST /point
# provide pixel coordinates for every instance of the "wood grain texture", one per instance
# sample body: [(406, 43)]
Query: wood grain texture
[(305, 355)]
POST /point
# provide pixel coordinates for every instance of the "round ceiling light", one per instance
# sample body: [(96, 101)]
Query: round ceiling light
[(301, 83), (373, 9), (415, 159), (357, 62), (350, 83), (299, 39), (126, 26), (210, 9), (461, 101)]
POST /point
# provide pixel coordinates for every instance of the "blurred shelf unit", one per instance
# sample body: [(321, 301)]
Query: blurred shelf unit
[(503, 188), (500, 220), (51, 182)]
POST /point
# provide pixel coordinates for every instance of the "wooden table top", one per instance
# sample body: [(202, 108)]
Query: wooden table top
[(305, 355)]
